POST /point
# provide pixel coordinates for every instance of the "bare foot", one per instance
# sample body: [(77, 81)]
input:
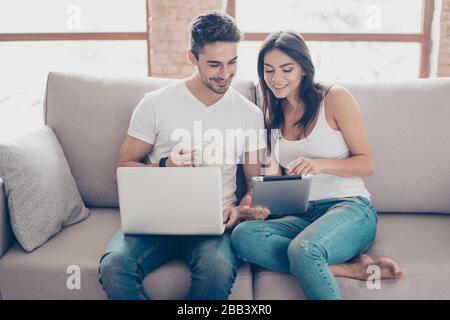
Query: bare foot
[(358, 268), (389, 268)]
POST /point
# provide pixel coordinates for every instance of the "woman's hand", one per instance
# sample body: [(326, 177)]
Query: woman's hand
[(304, 165)]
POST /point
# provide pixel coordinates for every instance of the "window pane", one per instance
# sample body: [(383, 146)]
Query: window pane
[(26, 16), (366, 60), (24, 67), (350, 61), (324, 16)]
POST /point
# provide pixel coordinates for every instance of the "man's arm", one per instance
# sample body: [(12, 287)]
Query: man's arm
[(252, 168), (132, 153), (244, 211)]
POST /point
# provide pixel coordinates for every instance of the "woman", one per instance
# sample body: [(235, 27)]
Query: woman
[(313, 130)]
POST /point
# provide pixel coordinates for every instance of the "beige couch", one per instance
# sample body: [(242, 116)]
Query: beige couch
[(409, 131)]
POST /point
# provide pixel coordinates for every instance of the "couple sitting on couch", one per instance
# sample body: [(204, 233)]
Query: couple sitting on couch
[(340, 224)]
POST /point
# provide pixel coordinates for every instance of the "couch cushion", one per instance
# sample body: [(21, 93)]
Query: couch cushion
[(43, 273), (407, 124), (6, 234), (90, 117), (418, 242), (42, 194)]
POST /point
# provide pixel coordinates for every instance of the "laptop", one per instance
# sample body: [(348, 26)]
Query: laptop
[(171, 201), (283, 195)]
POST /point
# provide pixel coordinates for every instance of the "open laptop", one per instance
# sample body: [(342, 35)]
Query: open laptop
[(170, 201)]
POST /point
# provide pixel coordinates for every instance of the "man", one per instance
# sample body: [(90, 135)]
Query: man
[(206, 98)]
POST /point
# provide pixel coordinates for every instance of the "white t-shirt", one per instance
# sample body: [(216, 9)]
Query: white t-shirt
[(172, 117)]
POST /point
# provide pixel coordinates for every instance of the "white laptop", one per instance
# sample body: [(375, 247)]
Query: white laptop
[(170, 201)]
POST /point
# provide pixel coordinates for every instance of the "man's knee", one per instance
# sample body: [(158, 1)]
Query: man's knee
[(213, 277), (112, 267), (216, 268)]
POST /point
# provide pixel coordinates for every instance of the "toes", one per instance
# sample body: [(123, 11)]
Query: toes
[(396, 269), (401, 273), (389, 268)]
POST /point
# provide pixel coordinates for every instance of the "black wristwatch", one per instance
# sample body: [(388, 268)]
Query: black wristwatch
[(162, 161)]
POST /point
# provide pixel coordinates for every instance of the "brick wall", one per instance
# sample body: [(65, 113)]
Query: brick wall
[(169, 38), (444, 47)]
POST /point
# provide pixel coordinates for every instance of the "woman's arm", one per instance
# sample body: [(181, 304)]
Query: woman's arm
[(348, 119), (343, 114)]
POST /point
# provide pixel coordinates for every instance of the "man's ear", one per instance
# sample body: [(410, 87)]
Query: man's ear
[(192, 57)]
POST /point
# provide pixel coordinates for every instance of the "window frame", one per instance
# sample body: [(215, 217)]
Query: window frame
[(423, 37), (86, 36)]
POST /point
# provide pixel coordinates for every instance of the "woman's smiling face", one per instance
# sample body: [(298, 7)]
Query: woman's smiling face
[(282, 74)]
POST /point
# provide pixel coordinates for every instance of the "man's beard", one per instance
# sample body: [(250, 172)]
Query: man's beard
[(218, 90)]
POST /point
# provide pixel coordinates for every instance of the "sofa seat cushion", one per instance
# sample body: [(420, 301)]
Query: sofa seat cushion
[(44, 273), (418, 242)]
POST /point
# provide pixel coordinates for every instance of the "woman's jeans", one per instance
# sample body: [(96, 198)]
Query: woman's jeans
[(130, 258), (332, 231)]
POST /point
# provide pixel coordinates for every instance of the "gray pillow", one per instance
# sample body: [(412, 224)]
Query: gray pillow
[(41, 191)]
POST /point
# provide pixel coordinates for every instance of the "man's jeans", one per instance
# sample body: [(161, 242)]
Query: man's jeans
[(332, 231), (129, 258)]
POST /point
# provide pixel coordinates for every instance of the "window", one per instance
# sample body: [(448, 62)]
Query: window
[(348, 39), (102, 37), (28, 16)]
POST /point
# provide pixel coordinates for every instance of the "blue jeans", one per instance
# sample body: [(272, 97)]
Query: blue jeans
[(130, 258), (332, 231)]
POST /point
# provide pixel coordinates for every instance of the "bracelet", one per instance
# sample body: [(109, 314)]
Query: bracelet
[(162, 161)]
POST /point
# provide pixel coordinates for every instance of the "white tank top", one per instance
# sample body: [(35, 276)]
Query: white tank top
[(322, 143)]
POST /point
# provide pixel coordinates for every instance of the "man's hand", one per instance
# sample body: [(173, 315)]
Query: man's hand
[(181, 158), (248, 212), (230, 217)]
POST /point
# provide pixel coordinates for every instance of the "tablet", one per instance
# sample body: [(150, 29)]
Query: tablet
[(283, 195)]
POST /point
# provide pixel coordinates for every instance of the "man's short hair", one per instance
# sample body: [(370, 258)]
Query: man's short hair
[(210, 27)]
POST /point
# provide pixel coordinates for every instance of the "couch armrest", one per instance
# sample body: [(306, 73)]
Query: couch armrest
[(6, 234)]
